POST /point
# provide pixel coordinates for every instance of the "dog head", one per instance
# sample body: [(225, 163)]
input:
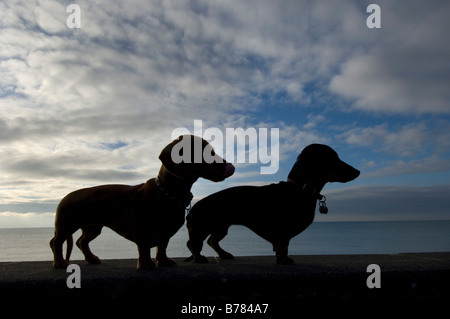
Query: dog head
[(319, 164), (190, 157)]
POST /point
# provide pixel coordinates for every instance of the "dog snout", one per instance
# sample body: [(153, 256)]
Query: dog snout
[(351, 172), (229, 170), (345, 173), (354, 174), (218, 172)]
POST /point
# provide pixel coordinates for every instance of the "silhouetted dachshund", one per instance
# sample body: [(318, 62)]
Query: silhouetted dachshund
[(148, 214), (276, 212)]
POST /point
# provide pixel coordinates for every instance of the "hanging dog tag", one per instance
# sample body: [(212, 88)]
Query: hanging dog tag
[(323, 209)]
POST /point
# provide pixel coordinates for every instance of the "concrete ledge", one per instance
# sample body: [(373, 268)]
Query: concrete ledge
[(411, 277)]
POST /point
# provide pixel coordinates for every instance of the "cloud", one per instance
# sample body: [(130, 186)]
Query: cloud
[(410, 139), (378, 202), (409, 149), (404, 141), (18, 220), (407, 70), (314, 119), (196, 55), (429, 164)]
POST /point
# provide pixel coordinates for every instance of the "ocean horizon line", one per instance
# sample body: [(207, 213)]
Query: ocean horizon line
[(318, 221)]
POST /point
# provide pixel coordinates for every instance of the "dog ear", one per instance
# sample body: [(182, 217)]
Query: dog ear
[(305, 164), (298, 171), (166, 156)]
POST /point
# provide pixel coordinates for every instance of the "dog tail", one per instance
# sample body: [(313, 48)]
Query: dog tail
[(69, 247)]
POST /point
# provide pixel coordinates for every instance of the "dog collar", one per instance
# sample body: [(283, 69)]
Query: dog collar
[(323, 209), (308, 188), (184, 199)]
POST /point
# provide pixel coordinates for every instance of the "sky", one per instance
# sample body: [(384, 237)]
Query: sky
[(95, 105)]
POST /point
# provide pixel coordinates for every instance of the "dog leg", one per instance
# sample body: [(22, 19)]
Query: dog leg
[(196, 247), (56, 244), (195, 243), (89, 233), (144, 261), (213, 241), (281, 251), (161, 256)]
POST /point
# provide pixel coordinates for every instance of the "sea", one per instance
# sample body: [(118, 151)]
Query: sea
[(321, 238)]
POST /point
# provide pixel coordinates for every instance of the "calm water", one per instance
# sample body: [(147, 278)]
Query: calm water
[(31, 244)]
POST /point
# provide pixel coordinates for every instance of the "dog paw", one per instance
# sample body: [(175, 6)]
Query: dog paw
[(284, 260), (201, 259), (93, 260), (166, 262), (146, 265), (61, 264), (226, 256)]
